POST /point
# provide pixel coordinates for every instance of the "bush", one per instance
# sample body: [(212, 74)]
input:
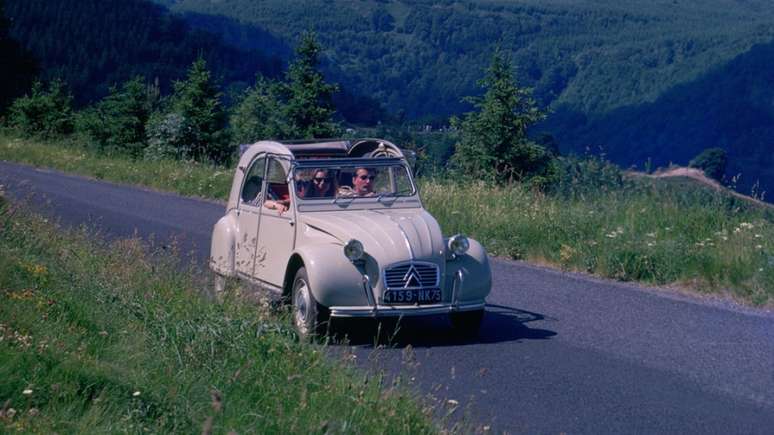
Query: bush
[(166, 137), (580, 177), (712, 161), (45, 112)]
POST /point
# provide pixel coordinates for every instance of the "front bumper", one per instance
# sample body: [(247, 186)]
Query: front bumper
[(403, 310)]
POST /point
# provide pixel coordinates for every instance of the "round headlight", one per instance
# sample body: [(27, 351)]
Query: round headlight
[(353, 250), (459, 244)]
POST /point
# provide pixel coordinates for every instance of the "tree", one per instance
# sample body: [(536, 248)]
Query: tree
[(493, 141), (258, 114), (45, 112), (712, 161), (18, 67), (309, 109), (196, 101), (117, 123)]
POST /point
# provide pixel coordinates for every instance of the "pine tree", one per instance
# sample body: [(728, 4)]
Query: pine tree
[(117, 123), (309, 108), (45, 112), (494, 143), (258, 114), (197, 102)]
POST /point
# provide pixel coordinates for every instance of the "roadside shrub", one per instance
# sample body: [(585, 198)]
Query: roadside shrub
[(166, 137), (712, 161), (579, 177), (45, 111)]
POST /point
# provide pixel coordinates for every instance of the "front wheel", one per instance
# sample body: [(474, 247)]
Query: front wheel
[(307, 313), (467, 322)]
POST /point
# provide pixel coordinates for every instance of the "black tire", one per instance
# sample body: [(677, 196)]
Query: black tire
[(467, 323), (308, 316)]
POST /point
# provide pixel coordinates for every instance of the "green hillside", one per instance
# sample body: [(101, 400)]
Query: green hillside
[(637, 80), (94, 44), (594, 56)]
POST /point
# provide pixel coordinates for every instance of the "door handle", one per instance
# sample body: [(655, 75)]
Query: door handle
[(291, 222)]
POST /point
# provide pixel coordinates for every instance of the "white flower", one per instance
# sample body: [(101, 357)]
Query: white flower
[(136, 394), (452, 402), (27, 392)]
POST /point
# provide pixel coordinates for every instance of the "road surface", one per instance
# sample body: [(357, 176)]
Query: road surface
[(557, 353)]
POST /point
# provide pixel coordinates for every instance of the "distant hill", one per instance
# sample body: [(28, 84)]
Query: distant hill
[(731, 106), (94, 44)]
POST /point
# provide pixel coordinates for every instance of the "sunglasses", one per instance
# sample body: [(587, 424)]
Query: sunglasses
[(321, 179), (367, 177)]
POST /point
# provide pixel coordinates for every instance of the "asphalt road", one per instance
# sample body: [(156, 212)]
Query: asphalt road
[(557, 353)]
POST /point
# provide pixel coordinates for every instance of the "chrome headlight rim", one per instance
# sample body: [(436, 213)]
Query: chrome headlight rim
[(459, 244), (353, 250)]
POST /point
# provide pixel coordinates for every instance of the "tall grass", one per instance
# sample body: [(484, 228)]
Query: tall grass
[(98, 338), (653, 231), (188, 178)]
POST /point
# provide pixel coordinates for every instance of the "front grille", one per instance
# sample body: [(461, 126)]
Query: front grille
[(411, 275)]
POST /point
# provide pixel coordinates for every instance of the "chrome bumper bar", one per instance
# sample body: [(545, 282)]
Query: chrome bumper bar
[(373, 309), (402, 310)]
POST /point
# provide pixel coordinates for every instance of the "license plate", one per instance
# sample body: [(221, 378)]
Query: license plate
[(424, 296)]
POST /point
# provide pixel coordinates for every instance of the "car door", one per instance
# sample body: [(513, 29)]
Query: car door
[(276, 233), (249, 214)]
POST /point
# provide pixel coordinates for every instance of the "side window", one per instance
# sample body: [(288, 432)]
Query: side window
[(276, 178), (251, 189)]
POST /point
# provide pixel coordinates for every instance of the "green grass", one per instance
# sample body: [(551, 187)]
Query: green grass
[(103, 338), (186, 178), (650, 231)]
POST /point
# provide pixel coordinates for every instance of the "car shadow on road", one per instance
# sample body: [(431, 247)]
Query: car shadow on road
[(500, 324)]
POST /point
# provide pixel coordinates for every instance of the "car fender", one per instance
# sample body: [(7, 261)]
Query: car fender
[(476, 274), (335, 281), (222, 255)]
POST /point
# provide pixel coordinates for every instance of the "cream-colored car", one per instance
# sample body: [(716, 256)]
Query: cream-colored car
[(339, 230)]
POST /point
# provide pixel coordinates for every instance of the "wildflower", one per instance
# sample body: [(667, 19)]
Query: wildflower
[(136, 394), (651, 235), (27, 392), (651, 244), (452, 402)]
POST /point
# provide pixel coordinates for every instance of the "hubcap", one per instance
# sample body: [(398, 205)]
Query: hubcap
[(301, 305)]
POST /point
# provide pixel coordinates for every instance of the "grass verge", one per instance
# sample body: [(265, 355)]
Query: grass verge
[(653, 231), (99, 338)]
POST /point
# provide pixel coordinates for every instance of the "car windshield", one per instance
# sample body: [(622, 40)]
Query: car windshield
[(353, 181)]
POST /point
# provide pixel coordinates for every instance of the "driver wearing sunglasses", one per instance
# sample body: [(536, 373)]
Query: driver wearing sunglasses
[(363, 182)]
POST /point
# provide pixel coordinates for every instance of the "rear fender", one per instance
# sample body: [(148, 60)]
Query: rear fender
[(222, 255)]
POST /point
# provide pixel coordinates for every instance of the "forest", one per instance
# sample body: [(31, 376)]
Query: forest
[(645, 83)]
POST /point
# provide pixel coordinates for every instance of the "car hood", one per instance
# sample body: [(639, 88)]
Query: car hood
[(389, 236)]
